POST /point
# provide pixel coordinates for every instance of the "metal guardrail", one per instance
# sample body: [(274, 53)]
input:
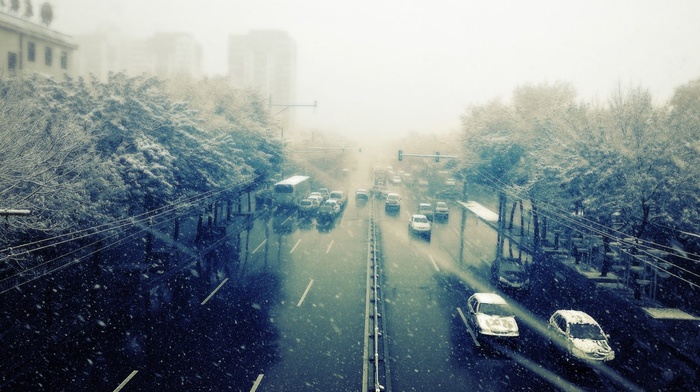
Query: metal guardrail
[(377, 359)]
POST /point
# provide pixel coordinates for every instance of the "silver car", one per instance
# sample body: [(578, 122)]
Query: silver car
[(581, 335)]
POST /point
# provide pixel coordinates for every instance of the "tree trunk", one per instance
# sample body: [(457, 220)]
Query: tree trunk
[(536, 228)]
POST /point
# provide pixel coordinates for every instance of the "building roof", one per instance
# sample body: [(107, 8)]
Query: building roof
[(34, 30)]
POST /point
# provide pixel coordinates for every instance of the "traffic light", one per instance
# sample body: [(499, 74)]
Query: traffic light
[(437, 156), (400, 155)]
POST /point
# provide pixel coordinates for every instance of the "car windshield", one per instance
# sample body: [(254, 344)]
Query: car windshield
[(501, 310), (586, 331)]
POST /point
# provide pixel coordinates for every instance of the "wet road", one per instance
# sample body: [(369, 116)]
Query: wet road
[(281, 307)]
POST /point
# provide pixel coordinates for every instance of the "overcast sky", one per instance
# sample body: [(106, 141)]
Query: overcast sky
[(385, 68)]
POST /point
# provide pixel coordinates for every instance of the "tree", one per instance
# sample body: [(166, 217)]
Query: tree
[(42, 153), (46, 14), (28, 9), (14, 6)]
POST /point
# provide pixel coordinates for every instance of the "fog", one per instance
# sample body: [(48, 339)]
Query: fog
[(383, 69)]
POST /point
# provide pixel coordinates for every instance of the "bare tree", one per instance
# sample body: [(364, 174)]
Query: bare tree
[(14, 7)]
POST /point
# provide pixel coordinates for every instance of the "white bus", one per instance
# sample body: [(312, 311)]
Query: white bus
[(289, 192)]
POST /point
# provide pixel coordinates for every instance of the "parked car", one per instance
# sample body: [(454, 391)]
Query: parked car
[(420, 225), (426, 209), (442, 211), (490, 317), (361, 196), (393, 202), (581, 335)]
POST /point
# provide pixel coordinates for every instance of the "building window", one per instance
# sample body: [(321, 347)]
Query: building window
[(31, 51), (11, 61), (64, 60), (48, 56)]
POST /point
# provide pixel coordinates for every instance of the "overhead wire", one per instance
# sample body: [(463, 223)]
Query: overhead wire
[(584, 225), (123, 224)]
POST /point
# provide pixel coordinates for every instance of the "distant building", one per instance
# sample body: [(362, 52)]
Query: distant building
[(266, 60), (163, 55), (28, 47)]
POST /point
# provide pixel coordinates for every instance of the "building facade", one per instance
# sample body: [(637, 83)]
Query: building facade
[(162, 55), (27, 47), (266, 61)]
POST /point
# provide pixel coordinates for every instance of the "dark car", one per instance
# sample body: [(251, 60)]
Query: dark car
[(361, 196)]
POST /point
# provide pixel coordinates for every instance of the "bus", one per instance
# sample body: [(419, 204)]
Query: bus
[(289, 192)]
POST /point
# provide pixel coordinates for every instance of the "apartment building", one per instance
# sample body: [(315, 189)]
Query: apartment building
[(29, 47), (266, 60)]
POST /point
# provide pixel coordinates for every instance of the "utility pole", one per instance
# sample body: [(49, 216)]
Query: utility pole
[(287, 106)]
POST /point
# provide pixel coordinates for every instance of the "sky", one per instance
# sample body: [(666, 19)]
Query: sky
[(386, 69)]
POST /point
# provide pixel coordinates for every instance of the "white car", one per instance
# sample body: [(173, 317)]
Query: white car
[(442, 211), (582, 336), (489, 315), (393, 202), (426, 209), (396, 180), (420, 225)]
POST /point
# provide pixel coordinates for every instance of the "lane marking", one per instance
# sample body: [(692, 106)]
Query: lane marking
[(295, 246), (434, 263), (301, 300), (257, 382), (126, 380), (259, 246), (329, 246), (464, 319), (214, 292)]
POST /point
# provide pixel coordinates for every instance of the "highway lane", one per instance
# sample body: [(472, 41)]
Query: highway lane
[(430, 345)]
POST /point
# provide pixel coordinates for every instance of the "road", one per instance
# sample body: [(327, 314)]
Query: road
[(281, 307)]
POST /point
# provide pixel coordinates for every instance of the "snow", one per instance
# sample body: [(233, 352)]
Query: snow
[(481, 211), (670, 313)]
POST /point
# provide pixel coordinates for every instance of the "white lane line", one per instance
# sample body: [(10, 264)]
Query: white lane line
[(434, 263), (259, 246), (126, 380), (256, 384), (329, 246), (295, 246), (214, 292), (301, 300), (464, 319)]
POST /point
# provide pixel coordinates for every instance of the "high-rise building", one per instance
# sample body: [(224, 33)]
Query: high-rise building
[(266, 60), (163, 55)]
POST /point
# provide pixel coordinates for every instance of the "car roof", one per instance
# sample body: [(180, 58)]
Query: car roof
[(424, 204), (362, 190), (394, 194), (577, 317), (442, 203), (414, 216), (489, 298)]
